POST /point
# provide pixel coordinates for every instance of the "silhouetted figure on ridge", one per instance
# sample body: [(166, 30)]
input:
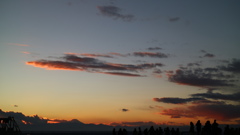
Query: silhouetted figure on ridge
[(173, 131), (125, 132), (114, 131), (160, 130), (139, 131), (215, 129), (177, 132), (191, 130), (151, 131), (167, 131), (198, 127), (120, 132), (135, 131), (207, 128), (145, 132)]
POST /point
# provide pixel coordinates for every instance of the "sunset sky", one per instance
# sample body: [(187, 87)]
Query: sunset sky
[(121, 62)]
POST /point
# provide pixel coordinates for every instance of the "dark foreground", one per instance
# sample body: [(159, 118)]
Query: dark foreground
[(69, 133)]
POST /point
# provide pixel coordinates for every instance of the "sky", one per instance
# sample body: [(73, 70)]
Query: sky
[(119, 62)]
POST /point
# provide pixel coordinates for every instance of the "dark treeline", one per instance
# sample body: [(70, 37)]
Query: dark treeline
[(194, 129)]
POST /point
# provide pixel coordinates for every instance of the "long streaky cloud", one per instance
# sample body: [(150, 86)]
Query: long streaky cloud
[(93, 65), (219, 96), (150, 54), (54, 65), (176, 100), (91, 55), (122, 74)]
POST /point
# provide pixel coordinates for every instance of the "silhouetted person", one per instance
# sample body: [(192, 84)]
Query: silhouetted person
[(160, 130), (135, 131), (125, 132), (177, 132), (215, 128), (120, 132), (139, 131), (207, 128), (198, 127), (173, 131), (114, 131), (151, 131), (167, 131), (191, 130), (145, 132)]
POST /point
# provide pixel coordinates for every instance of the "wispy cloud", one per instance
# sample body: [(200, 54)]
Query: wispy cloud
[(206, 54), (154, 48), (176, 100), (93, 65), (92, 55), (113, 11), (174, 19), (16, 44), (150, 54), (122, 74), (218, 96)]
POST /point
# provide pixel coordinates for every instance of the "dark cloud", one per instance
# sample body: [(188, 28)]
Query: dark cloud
[(172, 100), (214, 111), (154, 48), (233, 66), (150, 54), (219, 96), (209, 55), (92, 55), (122, 74), (157, 71), (200, 77), (174, 19), (206, 54), (113, 11), (194, 64), (125, 110), (89, 64)]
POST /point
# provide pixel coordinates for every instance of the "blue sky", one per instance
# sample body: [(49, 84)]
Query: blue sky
[(103, 57)]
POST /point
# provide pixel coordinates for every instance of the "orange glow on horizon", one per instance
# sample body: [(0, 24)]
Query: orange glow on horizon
[(52, 122), (24, 122)]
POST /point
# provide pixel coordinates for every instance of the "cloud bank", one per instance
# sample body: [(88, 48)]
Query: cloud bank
[(93, 65)]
